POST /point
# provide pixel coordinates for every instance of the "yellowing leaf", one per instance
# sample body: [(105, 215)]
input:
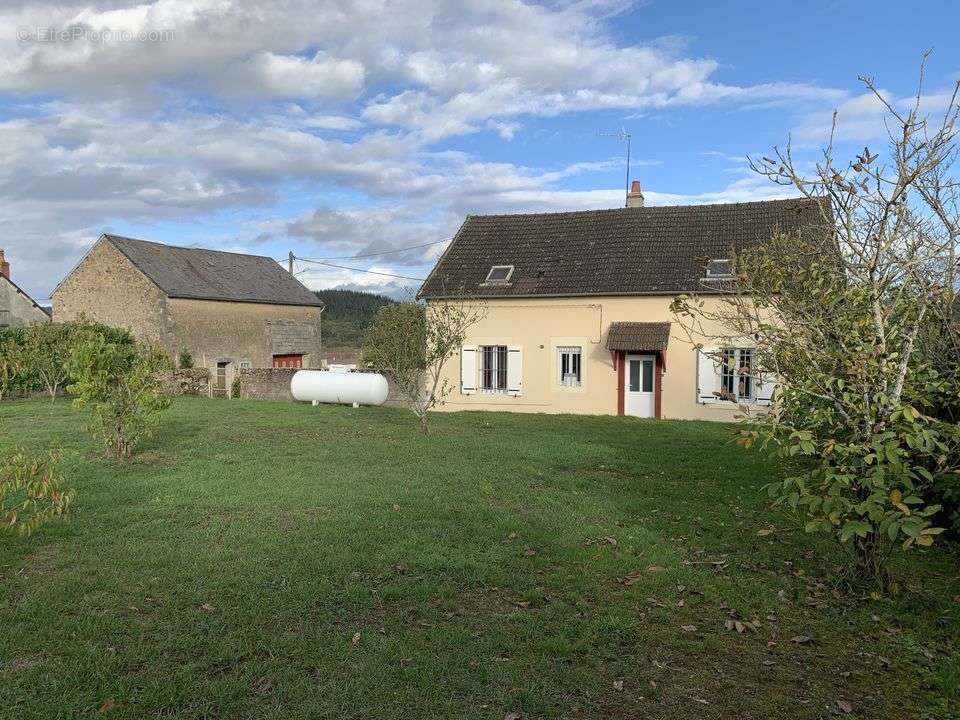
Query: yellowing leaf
[(896, 499)]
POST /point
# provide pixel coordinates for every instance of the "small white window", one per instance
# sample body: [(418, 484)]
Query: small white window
[(719, 268), (244, 364), (493, 368), (568, 366), (500, 274), (4, 318)]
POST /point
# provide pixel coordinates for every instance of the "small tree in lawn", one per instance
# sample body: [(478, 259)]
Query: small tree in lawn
[(47, 349), (411, 344), (855, 318), (31, 491), (117, 382)]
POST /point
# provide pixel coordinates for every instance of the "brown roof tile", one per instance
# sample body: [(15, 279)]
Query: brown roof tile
[(652, 336), (627, 251)]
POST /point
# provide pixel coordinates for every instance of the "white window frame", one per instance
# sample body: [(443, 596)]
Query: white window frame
[(493, 380), (499, 281), (733, 379), (6, 318), (575, 355)]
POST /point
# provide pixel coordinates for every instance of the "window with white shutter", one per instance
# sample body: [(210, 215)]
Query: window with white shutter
[(468, 369), (708, 376), (514, 370)]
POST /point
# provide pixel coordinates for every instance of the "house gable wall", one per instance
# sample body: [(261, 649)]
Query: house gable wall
[(16, 309), (106, 287)]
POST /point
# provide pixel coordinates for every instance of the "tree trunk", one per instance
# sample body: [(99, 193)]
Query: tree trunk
[(423, 424), (871, 559)]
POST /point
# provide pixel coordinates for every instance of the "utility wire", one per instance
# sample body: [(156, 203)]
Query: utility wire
[(385, 252), (371, 272)]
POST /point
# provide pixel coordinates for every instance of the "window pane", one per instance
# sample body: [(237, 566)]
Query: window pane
[(745, 389), (501, 367), (648, 375), (634, 376)]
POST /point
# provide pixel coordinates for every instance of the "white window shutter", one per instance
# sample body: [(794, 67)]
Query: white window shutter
[(766, 387), (514, 370), (708, 376), (468, 369)]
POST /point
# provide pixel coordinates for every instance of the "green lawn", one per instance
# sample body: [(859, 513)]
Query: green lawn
[(271, 560)]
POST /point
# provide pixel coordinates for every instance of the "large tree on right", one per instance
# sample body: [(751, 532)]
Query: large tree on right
[(855, 319)]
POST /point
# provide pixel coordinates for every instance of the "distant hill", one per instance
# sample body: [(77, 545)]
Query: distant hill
[(347, 317)]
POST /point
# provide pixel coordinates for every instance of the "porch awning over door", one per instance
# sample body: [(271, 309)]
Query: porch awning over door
[(638, 336)]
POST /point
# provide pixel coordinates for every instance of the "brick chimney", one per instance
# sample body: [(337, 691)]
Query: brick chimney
[(4, 266), (635, 196)]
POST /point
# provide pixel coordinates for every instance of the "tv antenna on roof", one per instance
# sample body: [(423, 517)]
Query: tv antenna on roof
[(623, 136)]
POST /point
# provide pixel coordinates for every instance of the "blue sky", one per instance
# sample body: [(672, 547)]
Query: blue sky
[(350, 128)]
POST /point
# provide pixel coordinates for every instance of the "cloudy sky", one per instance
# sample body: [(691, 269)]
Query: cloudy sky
[(342, 130)]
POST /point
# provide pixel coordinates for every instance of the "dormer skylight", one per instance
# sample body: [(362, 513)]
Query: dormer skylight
[(720, 268), (500, 274)]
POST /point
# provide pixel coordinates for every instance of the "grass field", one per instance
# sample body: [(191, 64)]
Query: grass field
[(269, 560)]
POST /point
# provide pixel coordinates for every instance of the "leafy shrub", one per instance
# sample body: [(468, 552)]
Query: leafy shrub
[(118, 383), (185, 359), (35, 358), (31, 491)]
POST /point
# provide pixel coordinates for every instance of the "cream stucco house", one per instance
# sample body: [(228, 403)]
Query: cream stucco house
[(578, 313)]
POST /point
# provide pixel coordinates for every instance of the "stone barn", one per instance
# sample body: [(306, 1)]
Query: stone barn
[(227, 310)]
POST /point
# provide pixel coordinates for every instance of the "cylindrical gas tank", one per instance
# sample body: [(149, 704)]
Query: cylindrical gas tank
[(329, 387)]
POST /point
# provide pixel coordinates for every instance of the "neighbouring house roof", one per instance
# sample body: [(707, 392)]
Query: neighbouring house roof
[(627, 251), (652, 336), (214, 275)]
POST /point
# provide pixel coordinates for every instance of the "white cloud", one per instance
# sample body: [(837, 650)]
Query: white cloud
[(241, 100), (285, 76)]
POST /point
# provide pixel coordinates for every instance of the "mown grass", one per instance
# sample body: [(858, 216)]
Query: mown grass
[(270, 560)]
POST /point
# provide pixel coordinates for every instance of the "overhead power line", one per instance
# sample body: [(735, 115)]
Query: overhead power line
[(370, 272), (384, 252)]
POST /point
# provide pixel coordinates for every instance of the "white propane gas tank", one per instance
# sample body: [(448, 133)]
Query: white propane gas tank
[(320, 386)]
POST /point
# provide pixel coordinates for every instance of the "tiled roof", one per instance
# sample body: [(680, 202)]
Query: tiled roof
[(627, 251), (214, 275), (652, 336)]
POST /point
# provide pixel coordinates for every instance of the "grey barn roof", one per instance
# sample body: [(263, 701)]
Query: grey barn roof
[(214, 275), (627, 251)]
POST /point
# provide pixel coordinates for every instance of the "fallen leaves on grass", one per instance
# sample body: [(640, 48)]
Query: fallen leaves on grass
[(763, 532), (512, 716), (208, 608), (688, 628), (741, 626), (107, 705), (631, 577), (801, 639), (618, 685), (845, 707), (355, 640)]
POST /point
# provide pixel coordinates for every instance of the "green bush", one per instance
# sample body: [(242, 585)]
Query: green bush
[(31, 491), (118, 383), (35, 358), (185, 359)]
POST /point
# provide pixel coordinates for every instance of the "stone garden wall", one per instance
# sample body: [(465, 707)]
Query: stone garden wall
[(188, 381), (266, 383)]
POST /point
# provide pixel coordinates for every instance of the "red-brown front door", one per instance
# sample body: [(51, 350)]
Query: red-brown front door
[(288, 361)]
